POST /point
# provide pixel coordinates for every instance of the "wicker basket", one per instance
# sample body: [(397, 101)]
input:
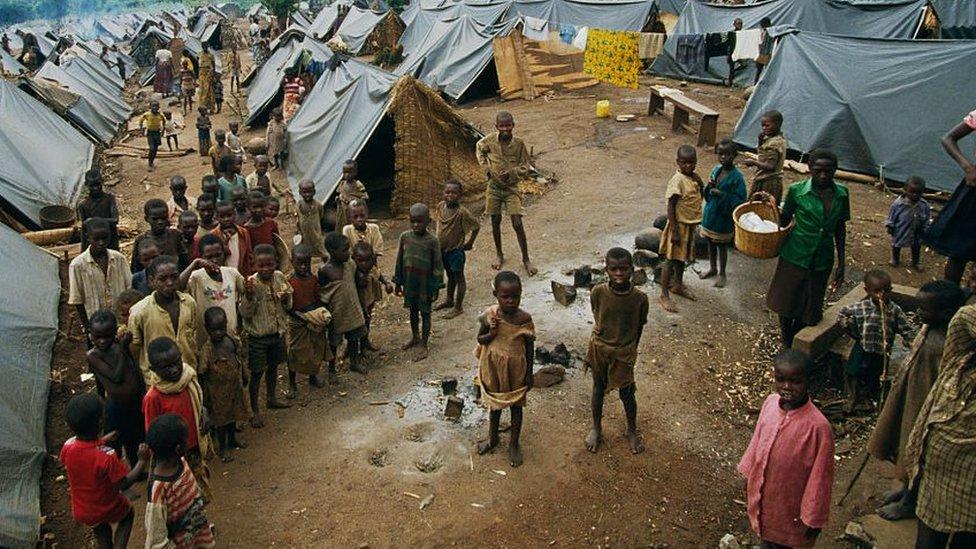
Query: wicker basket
[(759, 245)]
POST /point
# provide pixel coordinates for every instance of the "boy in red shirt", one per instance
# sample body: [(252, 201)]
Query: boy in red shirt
[(175, 390), (262, 229), (96, 475)]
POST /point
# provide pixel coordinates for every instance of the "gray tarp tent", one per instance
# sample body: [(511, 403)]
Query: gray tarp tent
[(358, 25), (10, 65), (323, 23), (73, 107), (334, 123), (957, 17), (880, 19), (28, 327), (422, 16), (264, 90), (628, 15), (892, 110), (45, 157), (102, 96)]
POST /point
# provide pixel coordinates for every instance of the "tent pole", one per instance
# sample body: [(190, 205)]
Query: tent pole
[(921, 21)]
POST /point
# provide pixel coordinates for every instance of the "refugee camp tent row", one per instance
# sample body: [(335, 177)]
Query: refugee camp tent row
[(192, 48), (957, 18), (366, 31), (28, 327), (264, 91), (891, 112), (875, 19), (324, 23), (46, 157), (398, 129), (104, 111)]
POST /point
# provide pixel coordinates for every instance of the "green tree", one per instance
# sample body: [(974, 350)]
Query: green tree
[(282, 9)]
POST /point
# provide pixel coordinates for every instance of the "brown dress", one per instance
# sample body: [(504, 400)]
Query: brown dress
[(502, 363), (618, 319), (223, 384)]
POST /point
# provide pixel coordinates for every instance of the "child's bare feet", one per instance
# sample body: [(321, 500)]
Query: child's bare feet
[(357, 367), (447, 304), (684, 292), (892, 496), (487, 446), (414, 341), (453, 313), (237, 444), (636, 444), (514, 454), (530, 269), (225, 456), (899, 510), (276, 404), (720, 283), (370, 346), (316, 381), (257, 421), (291, 392), (422, 353), (593, 440), (708, 274), (332, 377), (667, 304), (499, 262)]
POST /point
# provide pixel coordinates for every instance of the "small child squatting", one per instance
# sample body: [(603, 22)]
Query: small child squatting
[(505, 352), (789, 464), (619, 313)]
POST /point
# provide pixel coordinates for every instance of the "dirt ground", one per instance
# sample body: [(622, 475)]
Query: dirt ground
[(348, 464)]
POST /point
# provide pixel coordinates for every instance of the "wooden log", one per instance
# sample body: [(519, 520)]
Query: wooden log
[(50, 236)]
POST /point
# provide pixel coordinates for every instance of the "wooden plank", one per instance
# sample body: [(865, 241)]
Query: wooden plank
[(691, 105), (506, 66)]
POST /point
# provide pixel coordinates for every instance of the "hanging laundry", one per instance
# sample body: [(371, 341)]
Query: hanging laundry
[(611, 56), (579, 42), (690, 52), (651, 44), (567, 32), (535, 29), (747, 44)]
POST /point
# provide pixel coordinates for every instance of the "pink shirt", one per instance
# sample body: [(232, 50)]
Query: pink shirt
[(970, 120), (789, 470)]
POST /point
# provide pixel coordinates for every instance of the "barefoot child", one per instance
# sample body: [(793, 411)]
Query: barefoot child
[(619, 315), (119, 375), (203, 129), (267, 300), (175, 389), (188, 88), (212, 284), (308, 322), (276, 138), (457, 230), (259, 179), (789, 464), (222, 363), (726, 189), (236, 239), (771, 154), (937, 303), (174, 509), (172, 129), (419, 275), (684, 196), (96, 475), (99, 204), (370, 284), (169, 240), (350, 189), (152, 124), (206, 212), (312, 224), (337, 290), (179, 202), (261, 229), (506, 341), (873, 324), (907, 219)]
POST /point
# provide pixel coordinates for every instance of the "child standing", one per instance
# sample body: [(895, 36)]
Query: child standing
[(789, 464), (312, 223), (506, 342), (358, 230), (308, 320), (172, 129), (96, 475), (619, 315), (419, 275), (179, 202), (222, 361), (873, 324), (188, 87), (212, 284), (370, 284), (174, 510), (119, 375), (218, 94), (234, 140), (259, 179), (457, 230), (234, 65), (175, 389), (217, 153), (98, 276), (99, 204), (350, 189), (337, 290), (938, 302), (907, 219), (726, 189), (267, 300), (684, 196), (276, 138), (236, 239), (771, 155), (261, 229), (206, 213), (169, 240), (203, 128), (272, 208), (145, 251)]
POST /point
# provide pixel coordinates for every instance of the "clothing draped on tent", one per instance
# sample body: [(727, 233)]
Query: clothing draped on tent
[(612, 57)]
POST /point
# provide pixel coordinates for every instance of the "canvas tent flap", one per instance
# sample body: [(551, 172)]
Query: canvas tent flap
[(74, 107), (957, 17), (10, 65), (893, 110), (45, 157), (882, 19), (334, 122), (629, 15), (324, 22), (103, 97), (358, 25), (28, 328)]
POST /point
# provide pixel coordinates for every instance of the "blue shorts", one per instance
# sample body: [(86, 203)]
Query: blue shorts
[(454, 260)]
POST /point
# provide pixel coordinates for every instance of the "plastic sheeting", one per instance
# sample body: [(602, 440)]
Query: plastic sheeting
[(958, 18), (10, 64), (422, 17), (358, 25), (323, 22), (334, 123), (28, 327), (881, 19), (108, 111), (265, 91), (76, 108), (627, 15), (44, 157), (892, 110)]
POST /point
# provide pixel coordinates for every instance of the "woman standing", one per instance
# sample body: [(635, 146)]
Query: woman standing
[(205, 78), (951, 234), (821, 209), (163, 82)]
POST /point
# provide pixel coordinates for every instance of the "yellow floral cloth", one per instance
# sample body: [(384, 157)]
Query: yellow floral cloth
[(612, 57)]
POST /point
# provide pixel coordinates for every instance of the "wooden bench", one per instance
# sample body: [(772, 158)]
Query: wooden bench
[(684, 107)]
